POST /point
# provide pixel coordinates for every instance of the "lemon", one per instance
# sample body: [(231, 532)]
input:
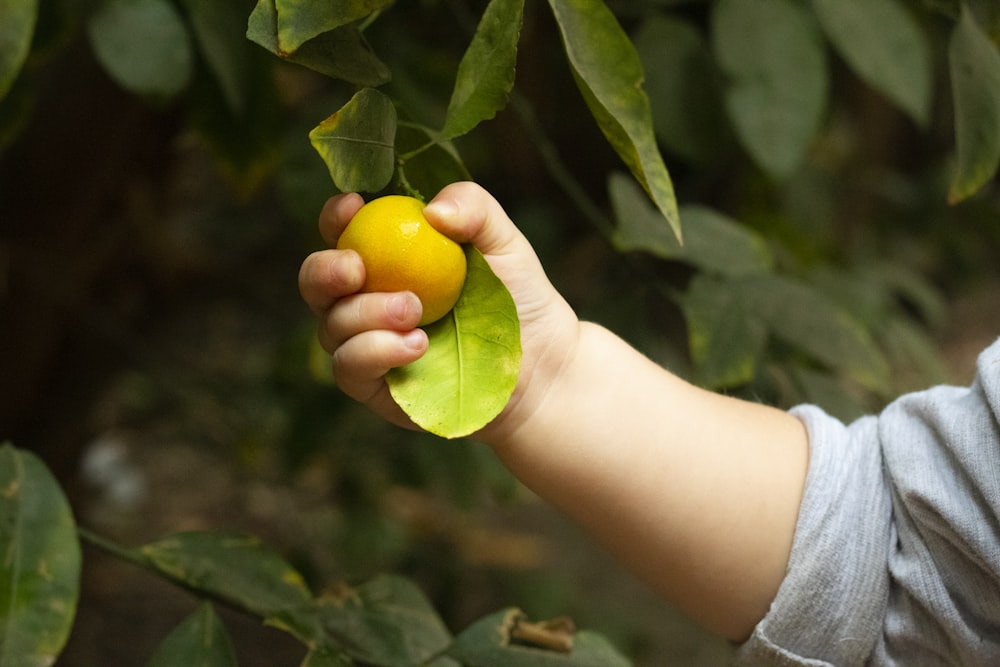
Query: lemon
[(402, 251)]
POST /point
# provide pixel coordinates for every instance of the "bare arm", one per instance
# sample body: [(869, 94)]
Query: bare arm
[(696, 492)]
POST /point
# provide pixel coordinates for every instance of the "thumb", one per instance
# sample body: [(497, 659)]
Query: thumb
[(467, 213)]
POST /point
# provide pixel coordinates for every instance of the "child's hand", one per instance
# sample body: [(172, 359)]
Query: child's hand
[(369, 333), (698, 493)]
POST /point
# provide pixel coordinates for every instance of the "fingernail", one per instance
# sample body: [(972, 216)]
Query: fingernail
[(414, 340), (398, 306), (444, 208), (348, 273)]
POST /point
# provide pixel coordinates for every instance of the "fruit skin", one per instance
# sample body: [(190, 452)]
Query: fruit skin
[(402, 251)]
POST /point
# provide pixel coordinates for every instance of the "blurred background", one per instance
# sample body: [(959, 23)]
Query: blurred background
[(155, 353)]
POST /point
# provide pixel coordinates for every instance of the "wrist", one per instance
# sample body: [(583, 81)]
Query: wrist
[(537, 402)]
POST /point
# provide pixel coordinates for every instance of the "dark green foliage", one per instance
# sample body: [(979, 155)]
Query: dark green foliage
[(837, 185)]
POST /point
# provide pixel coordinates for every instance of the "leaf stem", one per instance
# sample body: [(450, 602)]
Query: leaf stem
[(114, 549)]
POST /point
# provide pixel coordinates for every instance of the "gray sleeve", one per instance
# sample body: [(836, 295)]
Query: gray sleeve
[(896, 556)]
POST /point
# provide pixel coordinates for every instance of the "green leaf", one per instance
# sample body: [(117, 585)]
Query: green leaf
[(776, 93), (729, 322), (386, 621), (17, 26), (16, 111), (301, 20), (357, 142), (245, 143), (987, 12), (341, 53), (144, 46), (489, 642), (199, 641), (885, 46), (235, 568), (39, 562), (975, 82), (609, 74), (726, 337), (681, 81), (486, 72), (216, 27), (802, 316), (470, 370), (712, 241)]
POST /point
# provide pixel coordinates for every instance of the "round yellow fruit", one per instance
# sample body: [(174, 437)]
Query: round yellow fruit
[(402, 251)]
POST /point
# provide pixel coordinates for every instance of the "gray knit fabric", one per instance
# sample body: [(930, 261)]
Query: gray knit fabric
[(896, 557)]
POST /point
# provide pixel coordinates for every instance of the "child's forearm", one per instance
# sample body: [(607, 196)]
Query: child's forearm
[(696, 492)]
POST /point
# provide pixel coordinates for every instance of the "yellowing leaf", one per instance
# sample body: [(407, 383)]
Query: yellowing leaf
[(301, 20), (39, 562), (235, 568), (469, 372), (341, 53), (357, 142)]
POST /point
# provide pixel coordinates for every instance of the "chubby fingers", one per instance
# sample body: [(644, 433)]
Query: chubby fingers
[(329, 275), (360, 364), (367, 335), (351, 316), (336, 213)]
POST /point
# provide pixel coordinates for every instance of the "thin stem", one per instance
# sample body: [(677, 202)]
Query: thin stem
[(113, 549)]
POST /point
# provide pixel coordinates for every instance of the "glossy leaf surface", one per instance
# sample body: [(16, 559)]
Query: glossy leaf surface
[(609, 73), (199, 641), (885, 46), (233, 567), (773, 57), (357, 143), (470, 370), (17, 25), (341, 53), (975, 80), (39, 562), (486, 72), (144, 45)]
